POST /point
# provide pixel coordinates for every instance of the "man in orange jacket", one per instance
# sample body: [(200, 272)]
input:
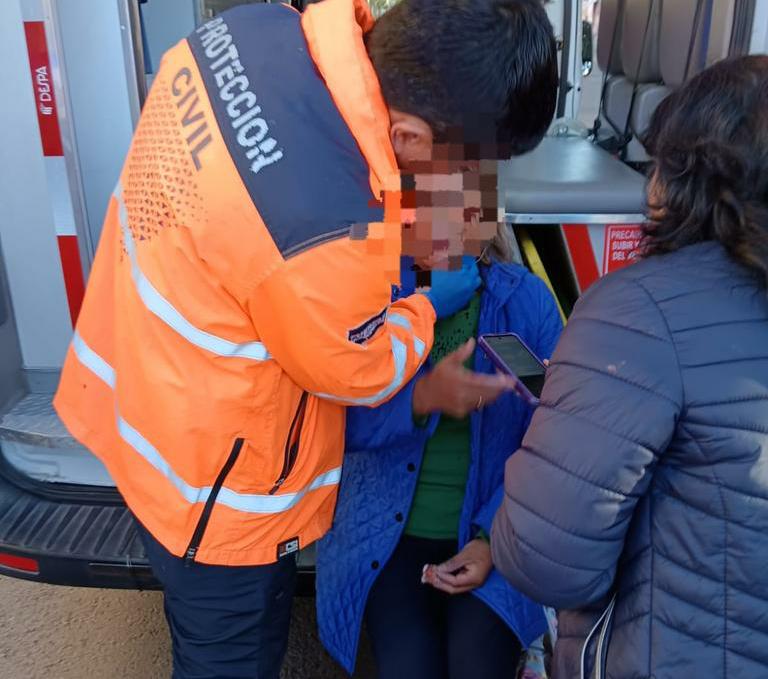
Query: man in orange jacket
[(241, 293)]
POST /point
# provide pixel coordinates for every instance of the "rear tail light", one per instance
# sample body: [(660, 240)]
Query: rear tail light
[(19, 563)]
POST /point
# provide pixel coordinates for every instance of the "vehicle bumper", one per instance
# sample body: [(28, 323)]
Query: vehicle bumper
[(88, 542)]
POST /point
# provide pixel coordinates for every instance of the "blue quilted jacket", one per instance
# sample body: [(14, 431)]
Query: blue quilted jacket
[(384, 452), (643, 478)]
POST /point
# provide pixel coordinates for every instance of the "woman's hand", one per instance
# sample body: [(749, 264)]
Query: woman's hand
[(466, 571), (452, 389)]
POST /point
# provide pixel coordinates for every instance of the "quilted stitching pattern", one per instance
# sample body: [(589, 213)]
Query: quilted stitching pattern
[(654, 443), (377, 484)]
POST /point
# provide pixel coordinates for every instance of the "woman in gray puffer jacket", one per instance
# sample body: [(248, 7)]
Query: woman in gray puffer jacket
[(638, 503)]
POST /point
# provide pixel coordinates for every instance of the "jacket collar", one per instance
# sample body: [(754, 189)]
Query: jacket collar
[(501, 280), (334, 30)]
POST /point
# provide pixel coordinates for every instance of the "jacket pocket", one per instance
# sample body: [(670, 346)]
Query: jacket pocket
[(594, 652), (205, 516), (292, 443)]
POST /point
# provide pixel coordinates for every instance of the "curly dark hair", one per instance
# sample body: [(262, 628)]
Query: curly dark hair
[(709, 144)]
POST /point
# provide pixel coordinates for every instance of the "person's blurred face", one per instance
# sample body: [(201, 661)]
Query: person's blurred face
[(450, 210), (449, 204)]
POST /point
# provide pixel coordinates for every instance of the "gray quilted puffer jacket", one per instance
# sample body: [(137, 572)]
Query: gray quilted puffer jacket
[(638, 504)]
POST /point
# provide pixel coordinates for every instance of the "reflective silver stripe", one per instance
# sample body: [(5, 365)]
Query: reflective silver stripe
[(245, 502), (400, 355), (144, 448), (418, 345), (167, 313), (91, 360), (274, 504)]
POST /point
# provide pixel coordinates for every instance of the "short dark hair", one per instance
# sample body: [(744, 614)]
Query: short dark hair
[(480, 71), (709, 144)]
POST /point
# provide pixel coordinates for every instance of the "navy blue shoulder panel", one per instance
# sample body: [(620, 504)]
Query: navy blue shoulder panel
[(298, 159)]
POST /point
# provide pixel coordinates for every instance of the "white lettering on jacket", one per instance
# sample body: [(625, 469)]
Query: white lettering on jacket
[(253, 137)]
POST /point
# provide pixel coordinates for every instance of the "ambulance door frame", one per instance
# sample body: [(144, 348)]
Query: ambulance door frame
[(12, 365), (68, 136), (134, 66), (759, 41), (133, 53), (570, 67)]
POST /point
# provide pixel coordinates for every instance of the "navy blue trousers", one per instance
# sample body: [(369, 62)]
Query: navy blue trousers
[(226, 622), (418, 632)]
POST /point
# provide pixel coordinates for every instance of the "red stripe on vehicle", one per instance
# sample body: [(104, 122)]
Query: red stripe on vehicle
[(582, 256), (42, 87), (73, 274), (19, 563)]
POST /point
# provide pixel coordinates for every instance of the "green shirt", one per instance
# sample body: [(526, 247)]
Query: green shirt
[(439, 497)]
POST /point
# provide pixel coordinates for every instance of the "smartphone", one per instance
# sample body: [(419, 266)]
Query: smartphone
[(513, 357)]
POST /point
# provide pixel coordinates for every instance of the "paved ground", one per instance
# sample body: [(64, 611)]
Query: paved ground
[(71, 633)]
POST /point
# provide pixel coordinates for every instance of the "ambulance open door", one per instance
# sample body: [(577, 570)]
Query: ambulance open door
[(576, 212)]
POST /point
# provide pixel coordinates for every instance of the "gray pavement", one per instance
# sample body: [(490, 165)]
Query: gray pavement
[(51, 632)]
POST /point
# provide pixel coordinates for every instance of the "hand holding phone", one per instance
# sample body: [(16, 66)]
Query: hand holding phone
[(514, 358), (452, 389)]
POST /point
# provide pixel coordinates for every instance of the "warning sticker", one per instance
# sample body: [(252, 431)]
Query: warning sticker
[(622, 246), (42, 83)]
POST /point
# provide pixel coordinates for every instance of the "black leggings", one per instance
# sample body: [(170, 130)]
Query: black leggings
[(418, 632)]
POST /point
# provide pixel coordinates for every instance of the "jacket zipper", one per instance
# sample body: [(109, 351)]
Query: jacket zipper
[(291, 451), (600, 660), (600, 624), (205, 517)]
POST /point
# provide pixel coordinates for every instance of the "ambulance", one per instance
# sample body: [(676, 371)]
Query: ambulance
[(73, 77)]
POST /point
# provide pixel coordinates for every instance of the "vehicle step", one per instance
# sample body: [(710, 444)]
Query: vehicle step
[(70, 542), (34, 421), (92, 532), (86, 543)]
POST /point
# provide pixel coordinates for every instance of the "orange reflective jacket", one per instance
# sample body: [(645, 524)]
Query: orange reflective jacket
[(241, 291)]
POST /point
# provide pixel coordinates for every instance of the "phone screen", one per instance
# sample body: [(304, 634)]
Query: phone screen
[(520, 361)]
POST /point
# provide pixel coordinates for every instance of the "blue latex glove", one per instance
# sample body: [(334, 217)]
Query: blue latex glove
[(407, 279), (451, 290)]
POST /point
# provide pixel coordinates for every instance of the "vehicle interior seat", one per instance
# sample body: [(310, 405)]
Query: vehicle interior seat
[(685, 37), (616, 92), (640, 60), (570, 179), (694, 35)]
